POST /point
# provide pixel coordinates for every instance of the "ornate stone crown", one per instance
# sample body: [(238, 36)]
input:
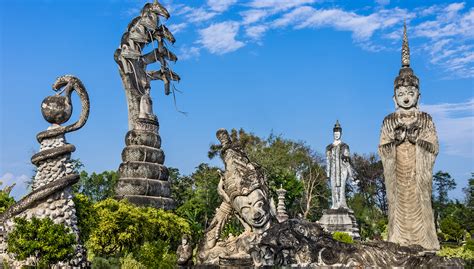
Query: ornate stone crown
[(406, 77), (241, 176)]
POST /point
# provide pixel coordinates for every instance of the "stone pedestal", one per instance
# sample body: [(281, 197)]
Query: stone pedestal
[(143, 177), (340, 220)]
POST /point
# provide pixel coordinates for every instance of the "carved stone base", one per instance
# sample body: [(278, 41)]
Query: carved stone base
[(143, 177), (340, 220)]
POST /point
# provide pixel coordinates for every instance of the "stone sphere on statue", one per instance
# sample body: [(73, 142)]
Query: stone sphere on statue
[(56, 109)]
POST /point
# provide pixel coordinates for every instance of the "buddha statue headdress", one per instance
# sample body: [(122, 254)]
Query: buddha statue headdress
[(241, 176), (406, 77), (337, 127)]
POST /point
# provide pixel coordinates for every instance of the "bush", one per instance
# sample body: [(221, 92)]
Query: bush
[(342, 237), (103, 263), (48, 242), (469, 246), (457, 252), (128, 262), (452, 229), (124, 228)]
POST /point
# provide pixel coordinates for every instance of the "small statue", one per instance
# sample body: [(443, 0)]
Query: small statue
[(185, 252), (408, 148), (338, 168)]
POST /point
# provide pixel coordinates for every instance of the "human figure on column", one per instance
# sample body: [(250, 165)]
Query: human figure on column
[(338, 168)]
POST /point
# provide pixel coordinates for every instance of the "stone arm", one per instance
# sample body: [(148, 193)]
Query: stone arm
[(424, 134)]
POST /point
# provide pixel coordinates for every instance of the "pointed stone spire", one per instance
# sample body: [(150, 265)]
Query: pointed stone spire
[(405, 48), (281, 208)]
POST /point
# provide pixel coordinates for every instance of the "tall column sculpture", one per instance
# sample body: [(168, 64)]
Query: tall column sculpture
[(143, 177), (408, 148), (338, 169), (51, 194)]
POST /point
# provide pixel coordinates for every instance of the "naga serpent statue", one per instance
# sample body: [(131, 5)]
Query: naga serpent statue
[(293, 242), (51, 195), (143, 177)]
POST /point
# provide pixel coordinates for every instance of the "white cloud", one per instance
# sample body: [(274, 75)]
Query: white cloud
[(189, 53), (219, 38), (20, 188), (256, 32), (362, 27), (220, 5), (254, 15), (279, 5), (196, 15), (455, 125), (449, 36), (176, 28)]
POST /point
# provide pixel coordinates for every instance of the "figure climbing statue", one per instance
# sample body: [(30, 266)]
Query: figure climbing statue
[(408, 148)]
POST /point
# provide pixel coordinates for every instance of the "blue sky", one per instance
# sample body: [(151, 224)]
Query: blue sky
[(291, 67)]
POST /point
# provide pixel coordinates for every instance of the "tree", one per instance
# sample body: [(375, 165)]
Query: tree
[(98, 187), (442, 184), (5, 199), (86, 216), (202, 198), (469, 202), (123, 228), (48, 242), (369, 173)]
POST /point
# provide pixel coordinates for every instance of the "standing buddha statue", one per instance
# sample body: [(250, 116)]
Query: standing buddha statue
[(408, 148)]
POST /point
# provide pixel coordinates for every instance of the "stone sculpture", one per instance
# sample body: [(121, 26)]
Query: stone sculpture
[(281, 214), (51, 195), (408, 148), (143, 177), (294, 242), (185, 252), (339, 169)]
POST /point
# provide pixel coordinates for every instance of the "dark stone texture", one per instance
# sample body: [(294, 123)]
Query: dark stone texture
[(141, 137), (143, 170), (158, 202), (142, 186), (143, 154)]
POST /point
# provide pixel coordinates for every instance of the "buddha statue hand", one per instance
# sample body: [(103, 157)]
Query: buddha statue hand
[(400, 134), (412, 134)]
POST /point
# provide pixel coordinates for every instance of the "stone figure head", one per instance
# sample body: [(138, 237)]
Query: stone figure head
[(337, 131), (243, 185), (406, 84), (253, 208)]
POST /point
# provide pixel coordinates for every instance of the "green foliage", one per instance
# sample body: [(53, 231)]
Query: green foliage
[(469, 245), (157, 254), (342, 237), (86, 216), (48, 242), (452, 229), (202, 199), (233, 226), (103, 263), (123, 228), (457, 252), (5, 201), (371, 220), (128, 262), (97, 187)]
